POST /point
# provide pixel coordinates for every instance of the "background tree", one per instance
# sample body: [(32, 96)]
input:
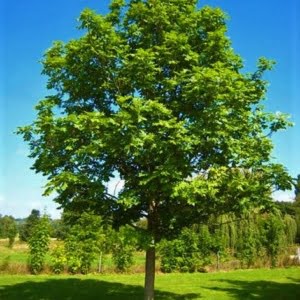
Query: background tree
[(249, 240), (26, 229), (8, 229), (189, 252), (296, 205), (84, 242), (290, 229), (153, 93), (286, 207), (274, 237), (123, 245), (59, 229)]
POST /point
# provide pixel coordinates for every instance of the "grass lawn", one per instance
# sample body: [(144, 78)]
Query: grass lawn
[(264, 284)]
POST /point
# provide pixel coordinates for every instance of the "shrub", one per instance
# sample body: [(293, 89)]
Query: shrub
[(190, 252), (249, 241), (39, 245), (84, 243), (58, 260), (123, 257), (123, 246), (274, 237)]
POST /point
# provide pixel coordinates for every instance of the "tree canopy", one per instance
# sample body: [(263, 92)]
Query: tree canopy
[(153, 93)]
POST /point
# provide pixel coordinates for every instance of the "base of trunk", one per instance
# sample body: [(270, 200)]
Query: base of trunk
[(149, 274)]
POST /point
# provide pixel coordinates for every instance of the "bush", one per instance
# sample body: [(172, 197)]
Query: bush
[(190, 252), (84, 243), (123, 257), (58, 260), (39, 245), (274, 237), (124, 243), (249, 241)]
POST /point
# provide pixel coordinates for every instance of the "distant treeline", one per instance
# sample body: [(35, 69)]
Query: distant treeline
[(249, 238)]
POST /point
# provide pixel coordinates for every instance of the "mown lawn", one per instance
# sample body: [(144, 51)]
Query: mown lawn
[(264, 284)]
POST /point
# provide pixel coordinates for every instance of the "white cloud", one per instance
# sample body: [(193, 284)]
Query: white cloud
[(284, 196)]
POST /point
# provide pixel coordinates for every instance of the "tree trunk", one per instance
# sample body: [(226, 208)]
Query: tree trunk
[(100, 263), (150, 274)]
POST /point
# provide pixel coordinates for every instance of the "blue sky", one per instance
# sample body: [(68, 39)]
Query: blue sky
[(28, 28)]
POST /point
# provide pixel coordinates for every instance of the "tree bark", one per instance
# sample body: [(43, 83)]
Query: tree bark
[(149, 273), (100, 263)]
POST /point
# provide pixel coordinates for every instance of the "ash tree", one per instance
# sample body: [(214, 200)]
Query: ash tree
[(153, 93)]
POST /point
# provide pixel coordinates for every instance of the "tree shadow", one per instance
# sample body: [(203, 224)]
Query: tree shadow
[(77, 289), (262, 289)]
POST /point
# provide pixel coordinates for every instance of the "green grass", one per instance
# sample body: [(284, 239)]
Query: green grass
[(18, 254), (274, 284)]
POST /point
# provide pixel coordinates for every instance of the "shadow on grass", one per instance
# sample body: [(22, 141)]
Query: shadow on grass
[(267, 290), (76, 289)]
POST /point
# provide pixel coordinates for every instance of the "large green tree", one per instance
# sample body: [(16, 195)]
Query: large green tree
[(153, 93)]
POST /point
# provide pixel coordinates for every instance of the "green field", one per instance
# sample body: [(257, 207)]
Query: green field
[(266, 284)]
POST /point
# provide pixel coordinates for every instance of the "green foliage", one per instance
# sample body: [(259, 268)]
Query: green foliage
[(139, 99), (250, 237), (8, 229), (274, 238), (290, 229), (286, 208), (226, 231), (170, 251), (39, 244), (296, 206), (124, 243), (59, 229), (58, 259), (85, 240), (292, 210), (297, 187), (249, 240), (153, 93), (189, 252), (25, 230)]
